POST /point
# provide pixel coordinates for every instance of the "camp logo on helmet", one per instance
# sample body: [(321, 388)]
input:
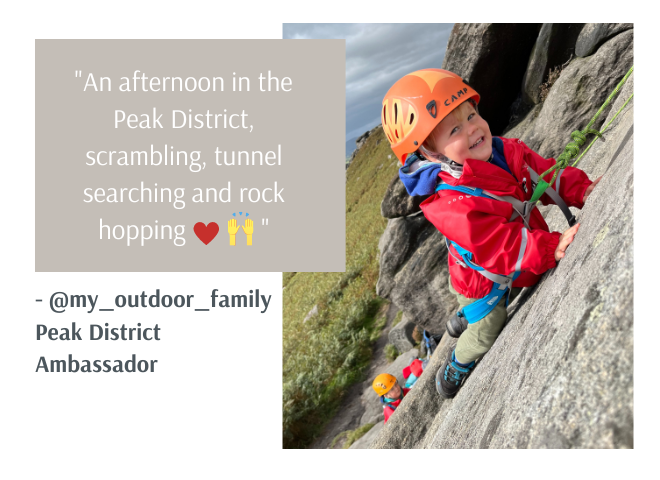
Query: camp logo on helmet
[(459, 94), (381, 385), (432, 108)]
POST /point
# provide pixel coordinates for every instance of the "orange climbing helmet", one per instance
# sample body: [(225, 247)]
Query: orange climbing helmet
[(416, 103), (383, 383)]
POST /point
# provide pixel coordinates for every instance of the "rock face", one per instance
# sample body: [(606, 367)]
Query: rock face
[(485, 53), (373, 409), (554, 46), (401, 335), (362, 138), (368, 437), (413, 271), (593, 35), (412, 420), (397, 203), (560, 374), (576, 96)]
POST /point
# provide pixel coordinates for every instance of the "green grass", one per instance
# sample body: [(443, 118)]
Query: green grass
[(380, 323), (391, 352), (339, 437), (329, 353), (351, 436), (286, 278), (397, 319), (357, 434)]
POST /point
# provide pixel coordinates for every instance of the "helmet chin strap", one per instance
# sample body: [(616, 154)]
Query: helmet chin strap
[(452, 168), (446, 164)]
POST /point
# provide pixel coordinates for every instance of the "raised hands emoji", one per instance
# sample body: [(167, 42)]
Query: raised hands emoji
[(248, 229), (232, 228)]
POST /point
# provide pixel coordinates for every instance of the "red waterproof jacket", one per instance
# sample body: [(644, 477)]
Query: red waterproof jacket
[(482, 226), (388, 409)]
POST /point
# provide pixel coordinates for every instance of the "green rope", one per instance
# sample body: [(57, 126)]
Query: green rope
[(602, 130), (579, 138)]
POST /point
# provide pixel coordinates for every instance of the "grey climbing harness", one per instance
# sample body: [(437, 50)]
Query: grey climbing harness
[(501, 283)]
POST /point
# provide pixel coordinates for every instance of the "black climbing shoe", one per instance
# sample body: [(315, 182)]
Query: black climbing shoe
[(456, 325), (450, 377)]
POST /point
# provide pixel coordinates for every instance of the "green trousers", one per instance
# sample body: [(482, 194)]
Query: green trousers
[(480, 336)]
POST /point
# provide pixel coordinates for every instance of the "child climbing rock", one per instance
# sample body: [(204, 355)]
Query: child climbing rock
[(481, 186), (390, 392)]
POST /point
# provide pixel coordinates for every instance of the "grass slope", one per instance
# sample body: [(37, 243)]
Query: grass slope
[(328, 353)]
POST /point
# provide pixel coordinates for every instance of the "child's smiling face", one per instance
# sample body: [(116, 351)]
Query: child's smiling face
[(461, 135)]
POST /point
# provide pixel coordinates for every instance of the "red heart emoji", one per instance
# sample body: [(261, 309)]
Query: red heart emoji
[(206, 233)]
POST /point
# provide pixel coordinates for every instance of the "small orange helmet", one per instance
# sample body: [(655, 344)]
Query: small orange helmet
[(416, 103), (383, 383)]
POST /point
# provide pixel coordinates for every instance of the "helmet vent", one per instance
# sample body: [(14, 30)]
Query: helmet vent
[(396, 112), (412, 117), (396, 132), (385, 114)]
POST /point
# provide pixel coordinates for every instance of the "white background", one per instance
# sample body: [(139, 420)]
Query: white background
[(213, 409)]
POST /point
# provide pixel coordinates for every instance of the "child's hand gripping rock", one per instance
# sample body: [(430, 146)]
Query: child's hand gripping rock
[(567, 237), (590, 189), (565, 240)]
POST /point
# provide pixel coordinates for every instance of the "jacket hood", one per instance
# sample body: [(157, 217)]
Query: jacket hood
[(419, 175)]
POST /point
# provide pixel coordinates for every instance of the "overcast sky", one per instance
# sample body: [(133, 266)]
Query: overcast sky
[(377, 55)]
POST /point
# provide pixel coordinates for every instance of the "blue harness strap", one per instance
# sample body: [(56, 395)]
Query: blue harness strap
[(482, 307), (501, 284), (477, 192), (431, 343)]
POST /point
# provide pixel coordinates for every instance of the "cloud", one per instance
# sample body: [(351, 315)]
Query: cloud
[(377, 55)]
